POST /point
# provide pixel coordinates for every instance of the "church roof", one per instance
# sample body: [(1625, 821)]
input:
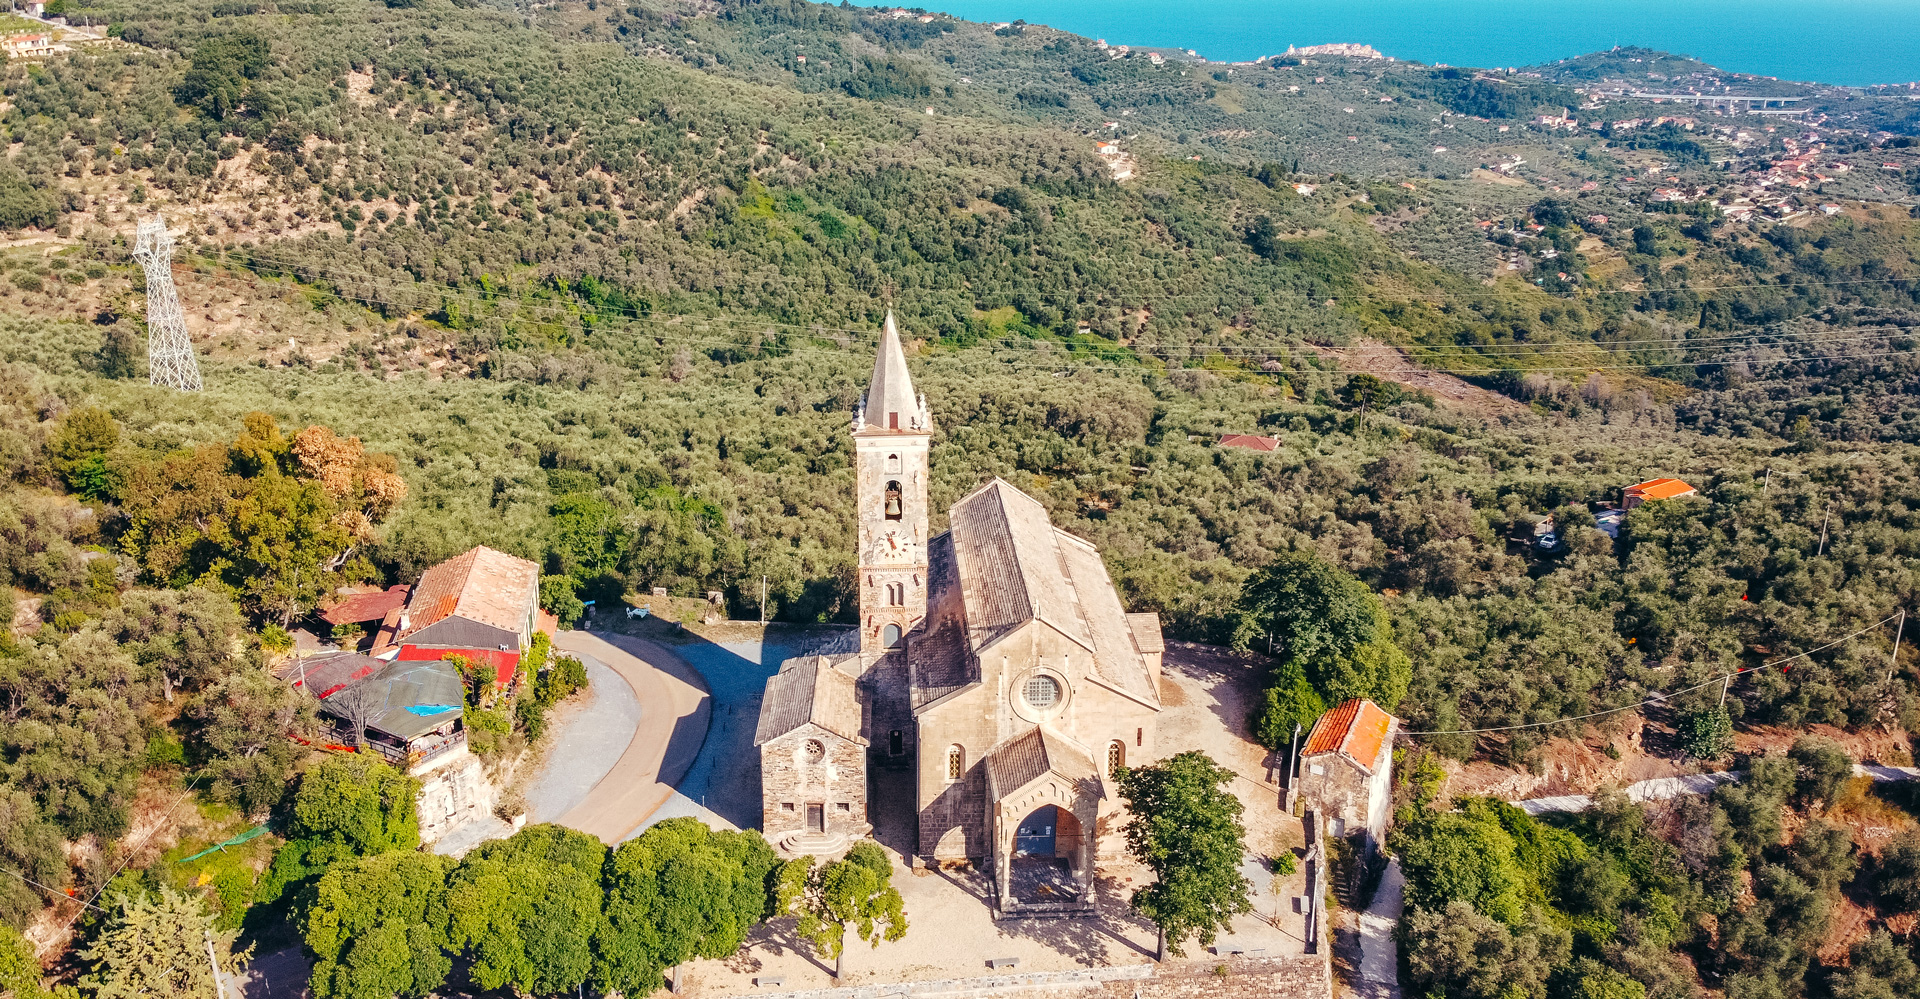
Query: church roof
[(890, 403), (808, 690), (1010, 565), (1146, 632), (1026, 758)]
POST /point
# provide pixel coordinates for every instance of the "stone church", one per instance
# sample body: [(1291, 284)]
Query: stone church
[(996, 662)]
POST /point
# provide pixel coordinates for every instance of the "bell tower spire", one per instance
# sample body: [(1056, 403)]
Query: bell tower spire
[(892, 434)]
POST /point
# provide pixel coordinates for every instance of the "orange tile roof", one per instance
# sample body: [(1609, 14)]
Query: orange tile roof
[(1659, 489), (481, 584), (1250, 441), (1357, 728)]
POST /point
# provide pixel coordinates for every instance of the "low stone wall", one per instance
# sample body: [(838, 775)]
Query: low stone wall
[(1233, 977)]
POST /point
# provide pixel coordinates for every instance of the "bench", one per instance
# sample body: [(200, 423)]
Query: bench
[(770, 981), (1003, 963)]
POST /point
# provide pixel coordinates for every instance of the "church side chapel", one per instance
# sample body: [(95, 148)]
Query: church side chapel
[(996, 662)]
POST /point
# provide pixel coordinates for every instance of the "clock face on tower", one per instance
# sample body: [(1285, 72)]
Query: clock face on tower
[(891, 547)]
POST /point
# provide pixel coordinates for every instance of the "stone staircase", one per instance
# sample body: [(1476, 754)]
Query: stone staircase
[(811, 844)]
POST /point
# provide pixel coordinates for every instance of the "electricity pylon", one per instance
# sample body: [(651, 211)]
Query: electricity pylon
[(170, 358)]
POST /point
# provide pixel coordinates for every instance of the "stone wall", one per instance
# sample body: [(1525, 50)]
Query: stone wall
[(452, 793), (1222, 978), (789, 782)]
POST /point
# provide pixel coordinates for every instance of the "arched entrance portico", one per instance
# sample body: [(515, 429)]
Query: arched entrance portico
[(1044, 800)]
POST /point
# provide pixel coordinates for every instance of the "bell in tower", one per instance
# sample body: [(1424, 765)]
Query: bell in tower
[(893, 501)]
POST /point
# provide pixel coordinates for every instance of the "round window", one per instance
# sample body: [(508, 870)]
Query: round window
[(1042, 691), (815, 752)]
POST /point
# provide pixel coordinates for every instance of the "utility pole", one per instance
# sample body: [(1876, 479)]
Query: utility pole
[(1893, 661), (219, 991), (1823, 531), (170, 358), (1766, 484), (763, 600), (1293, 764)]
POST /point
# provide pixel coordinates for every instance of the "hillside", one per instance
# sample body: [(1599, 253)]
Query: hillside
[(600, 285)]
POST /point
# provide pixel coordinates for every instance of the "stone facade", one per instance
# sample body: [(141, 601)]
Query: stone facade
[(996, 662), (813, 786), (454, 790), (1346, 772)]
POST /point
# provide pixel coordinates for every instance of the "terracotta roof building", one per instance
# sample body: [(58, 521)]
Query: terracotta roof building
[(1657, 489), (481, 604), (1250, 442), (1345, 771)]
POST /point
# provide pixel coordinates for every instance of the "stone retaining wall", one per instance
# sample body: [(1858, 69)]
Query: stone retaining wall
[(1233, 977)]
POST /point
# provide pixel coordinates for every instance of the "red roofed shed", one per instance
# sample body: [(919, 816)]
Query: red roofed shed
[(1657, 489), (1250, 442), (1346, 771)]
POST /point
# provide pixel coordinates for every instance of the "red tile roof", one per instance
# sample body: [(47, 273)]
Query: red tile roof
[(481, 584), (1357, 728), (1659, 489), (367, 606), (1250, 442)]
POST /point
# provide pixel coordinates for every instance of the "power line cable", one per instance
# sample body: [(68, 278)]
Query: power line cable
[(57, 893), (583, 327), (760, 324)]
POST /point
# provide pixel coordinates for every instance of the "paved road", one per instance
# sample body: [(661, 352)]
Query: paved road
[(675, 709), (1379, 958), (588, 743)]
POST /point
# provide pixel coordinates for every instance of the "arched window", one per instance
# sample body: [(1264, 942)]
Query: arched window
[(890, 636), (893, 464), (896, 595), (1116, 756), (892, 508), (956, 763)]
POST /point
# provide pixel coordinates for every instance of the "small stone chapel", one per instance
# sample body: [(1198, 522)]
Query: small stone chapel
[(996, 662)]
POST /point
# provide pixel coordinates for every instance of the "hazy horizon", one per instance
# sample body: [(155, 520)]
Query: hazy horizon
[(1848, 42)]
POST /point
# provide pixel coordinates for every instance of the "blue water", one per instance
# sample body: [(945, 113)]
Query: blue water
[(1853, 42)]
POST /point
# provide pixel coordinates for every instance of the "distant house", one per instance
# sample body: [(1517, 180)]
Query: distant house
[(1657, 489), (1345, 772), (483, 604), (1249, 442), (27, 46)]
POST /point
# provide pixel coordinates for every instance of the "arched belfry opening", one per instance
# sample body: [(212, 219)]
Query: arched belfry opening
[(893, 509)]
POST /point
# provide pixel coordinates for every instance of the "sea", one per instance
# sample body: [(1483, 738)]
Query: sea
[(1846, 42)]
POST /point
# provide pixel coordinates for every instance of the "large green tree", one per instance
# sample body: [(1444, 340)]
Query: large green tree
[(1332, 637), (1185, 827), (358, 801), (20, 973), (527, 909), (1458, 952), (378, 928), (855, 892), (676, 892)]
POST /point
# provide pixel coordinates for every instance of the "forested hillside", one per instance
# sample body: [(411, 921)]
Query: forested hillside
[(598, 285)]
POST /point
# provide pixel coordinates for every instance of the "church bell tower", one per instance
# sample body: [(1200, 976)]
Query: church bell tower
[(892, 433)]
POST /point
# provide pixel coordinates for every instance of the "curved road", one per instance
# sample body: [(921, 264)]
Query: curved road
[(675, 709)]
